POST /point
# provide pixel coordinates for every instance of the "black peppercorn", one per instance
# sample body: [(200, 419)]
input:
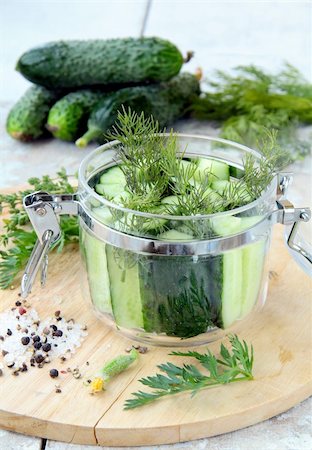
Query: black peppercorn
[(36, 338), (37, 345), (58, 333), (54, 373), (25, 340), (39, 358), (9, 332), (46, 347), (18, 303)]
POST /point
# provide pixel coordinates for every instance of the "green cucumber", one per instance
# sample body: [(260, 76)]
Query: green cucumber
[(124, 287), (113, 175), (26, 120), (68, 117), (103, 215), (215, 170), (174, 235), (95, 253), (74, 64), (242, 270), (109, 190), (253, 267), (166, 102)]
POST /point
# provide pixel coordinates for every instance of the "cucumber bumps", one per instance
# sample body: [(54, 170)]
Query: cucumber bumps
[(73, 64), (27, 118)]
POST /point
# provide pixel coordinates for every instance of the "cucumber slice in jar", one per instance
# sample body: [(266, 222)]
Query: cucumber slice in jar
[(124, 287), (215, 170), (96, 261)]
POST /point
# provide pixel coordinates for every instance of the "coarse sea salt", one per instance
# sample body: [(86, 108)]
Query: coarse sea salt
[(14, 326)]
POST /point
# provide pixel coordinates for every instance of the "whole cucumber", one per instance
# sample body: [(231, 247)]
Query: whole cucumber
[(166, 102), (28, 116), (67, 118), (74, 64)]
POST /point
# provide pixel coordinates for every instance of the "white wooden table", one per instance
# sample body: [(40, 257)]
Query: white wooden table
[(223, 34)]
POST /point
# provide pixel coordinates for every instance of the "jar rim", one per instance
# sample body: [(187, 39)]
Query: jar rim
[(84, 182)]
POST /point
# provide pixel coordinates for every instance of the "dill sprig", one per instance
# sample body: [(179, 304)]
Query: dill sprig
[(252, 99), (18, 239), (231, 366), (155, 167)]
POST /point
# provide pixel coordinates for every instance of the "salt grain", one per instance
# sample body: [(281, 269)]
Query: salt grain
[(66, 341)]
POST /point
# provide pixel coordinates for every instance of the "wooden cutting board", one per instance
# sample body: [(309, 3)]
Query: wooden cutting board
[(281, 335)]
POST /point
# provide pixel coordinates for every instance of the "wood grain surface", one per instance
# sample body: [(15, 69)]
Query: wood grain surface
[(280, 333)]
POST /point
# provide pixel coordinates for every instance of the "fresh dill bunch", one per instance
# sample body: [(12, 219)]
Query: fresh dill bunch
[(251, 99), (139, 153), (155, 167), (231, 366), (17, 238)]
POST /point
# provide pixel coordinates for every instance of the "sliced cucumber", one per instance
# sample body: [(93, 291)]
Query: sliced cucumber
[(110, 190), (253, 264), (114, 175), (226, 225), (231, 301), (221, 186), (103, 215), (97, 272), (215, 170), (174, 235), (124, 287), (170, 200)]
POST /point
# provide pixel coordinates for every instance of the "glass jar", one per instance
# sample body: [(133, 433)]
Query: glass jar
[(164, 279)]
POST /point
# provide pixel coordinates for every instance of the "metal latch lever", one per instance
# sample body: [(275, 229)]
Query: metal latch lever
[(38, 258)]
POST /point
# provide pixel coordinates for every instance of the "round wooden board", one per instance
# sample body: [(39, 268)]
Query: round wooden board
[(280, 334)]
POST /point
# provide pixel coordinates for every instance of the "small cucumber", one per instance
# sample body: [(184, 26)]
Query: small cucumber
[(28, 116), (166, 102), (68, 117)]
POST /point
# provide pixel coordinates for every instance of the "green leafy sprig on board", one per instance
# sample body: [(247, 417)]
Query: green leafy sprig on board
[(18, 238), (231, 366), (252, 99)]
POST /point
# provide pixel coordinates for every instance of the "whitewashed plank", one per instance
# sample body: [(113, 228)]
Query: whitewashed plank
[(14, 441), (28, 23), (225, 34), (288, 431)]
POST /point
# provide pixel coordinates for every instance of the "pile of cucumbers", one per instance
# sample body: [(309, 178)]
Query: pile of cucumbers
[(79, 87)]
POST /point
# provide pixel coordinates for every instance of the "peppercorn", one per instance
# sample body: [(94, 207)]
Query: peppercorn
[(58, 333), (57, 313), (39, 358), (36, 338), (54, 373), (9, 332), (46, 347), (25, 340), (37, 345), (54, 327), (18, 303), (24, 368)]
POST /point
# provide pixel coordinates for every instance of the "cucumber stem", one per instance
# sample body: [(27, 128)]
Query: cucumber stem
[(91, 134)]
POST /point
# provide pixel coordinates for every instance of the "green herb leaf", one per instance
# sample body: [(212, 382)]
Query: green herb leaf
[(233, 365), (18, 235), (250, 100)]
